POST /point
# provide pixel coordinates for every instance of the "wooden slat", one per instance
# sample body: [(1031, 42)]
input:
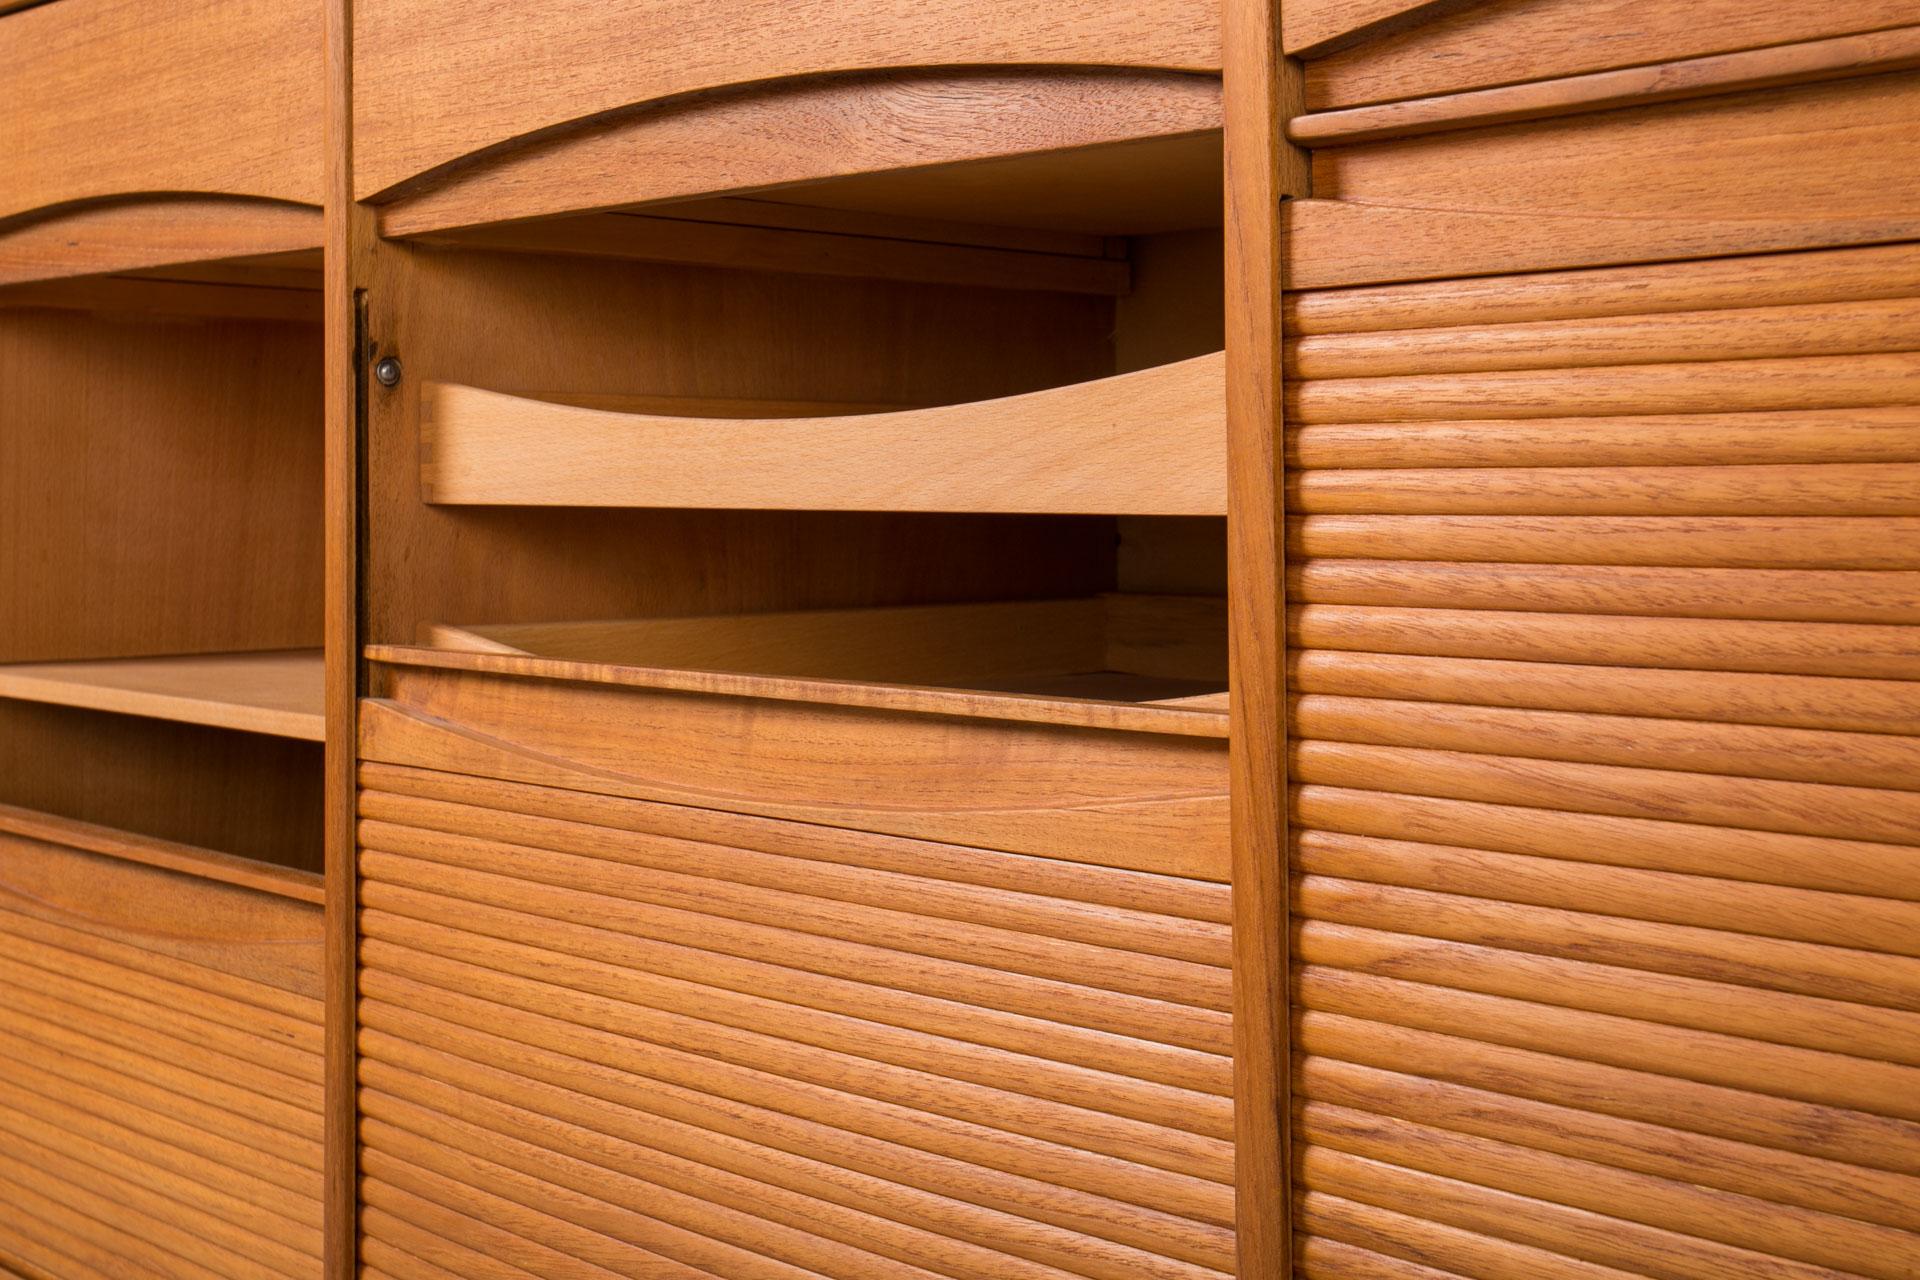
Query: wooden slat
[(1773, 1017), (1146, 1234), (969, 1067), (1382, 899), (1150, 977), (190, 1197), (1761, 385), (267, 1180), (1644, 1095), (1026, 1139), (837, 1167), (257, 1056), (227, 1172), (1658, 844), (535, 1181), (1531, 1220), (1868, 1097), (1833, 489), (1103, 1090), (1770, 332), (1781, 279), (1685, 644), (140, 1087), (1779, 1176), (534, 1235), (1736, 542), (1805, 702), (169, 1064), (1143, 443), (617, 1168), (1408, 1237), (1041, 998), (1779, 595), (1798, 808), (1803, 755), (392, 911), (1816, 1240), (1799, 437)]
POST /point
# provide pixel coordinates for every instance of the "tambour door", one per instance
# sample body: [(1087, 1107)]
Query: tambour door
[(1608, 901), (160, 1058), (660, 983), (1603, 418)]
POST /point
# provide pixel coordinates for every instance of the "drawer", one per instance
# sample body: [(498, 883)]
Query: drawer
[(768, 976), (160, 1057), (142, 134), (547, 104)]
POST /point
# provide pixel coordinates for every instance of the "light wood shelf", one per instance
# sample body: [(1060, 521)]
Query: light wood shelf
[(1144, 443), (277, 693)]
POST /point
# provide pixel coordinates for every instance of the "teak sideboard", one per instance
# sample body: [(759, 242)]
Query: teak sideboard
[(960, 640)]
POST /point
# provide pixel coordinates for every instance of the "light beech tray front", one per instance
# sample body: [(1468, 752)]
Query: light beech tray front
[(1146, 443), (276, 693)]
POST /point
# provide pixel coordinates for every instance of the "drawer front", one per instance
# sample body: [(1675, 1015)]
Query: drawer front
[(601, 1035), (533, 66), (160, 1071), (137, 132)]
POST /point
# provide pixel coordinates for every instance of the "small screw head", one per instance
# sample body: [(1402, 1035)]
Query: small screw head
[(387, 371)]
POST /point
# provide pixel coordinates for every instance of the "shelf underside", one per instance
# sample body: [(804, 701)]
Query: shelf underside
[(279, 693)]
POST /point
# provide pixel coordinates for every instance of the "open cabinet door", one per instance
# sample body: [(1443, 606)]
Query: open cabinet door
[(1602, 437)]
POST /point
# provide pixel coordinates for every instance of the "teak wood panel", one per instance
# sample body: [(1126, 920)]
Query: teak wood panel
[(920, 1035), (116, 101), (416, 109), (1714, 177), (1145, 443), (1606, 889), (159, 482), (159, 1068)]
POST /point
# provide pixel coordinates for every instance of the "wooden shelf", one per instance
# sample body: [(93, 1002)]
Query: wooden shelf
[(277, 693), (1146, 443), (1133, 662)]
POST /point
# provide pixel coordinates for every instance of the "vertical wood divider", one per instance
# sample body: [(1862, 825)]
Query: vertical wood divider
[(1262, 92), (349, 238)]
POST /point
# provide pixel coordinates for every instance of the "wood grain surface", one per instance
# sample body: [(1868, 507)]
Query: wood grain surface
[(159, 1065), (236, 82), (1146, 443), (1604, 883), (635, 1038), (415, 110)]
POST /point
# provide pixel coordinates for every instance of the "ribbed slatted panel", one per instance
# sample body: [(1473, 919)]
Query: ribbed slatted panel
[(1606, 775), (160, 1095), (606, 1037)]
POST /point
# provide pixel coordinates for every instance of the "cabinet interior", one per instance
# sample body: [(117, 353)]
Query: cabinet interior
[(160, 554)]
